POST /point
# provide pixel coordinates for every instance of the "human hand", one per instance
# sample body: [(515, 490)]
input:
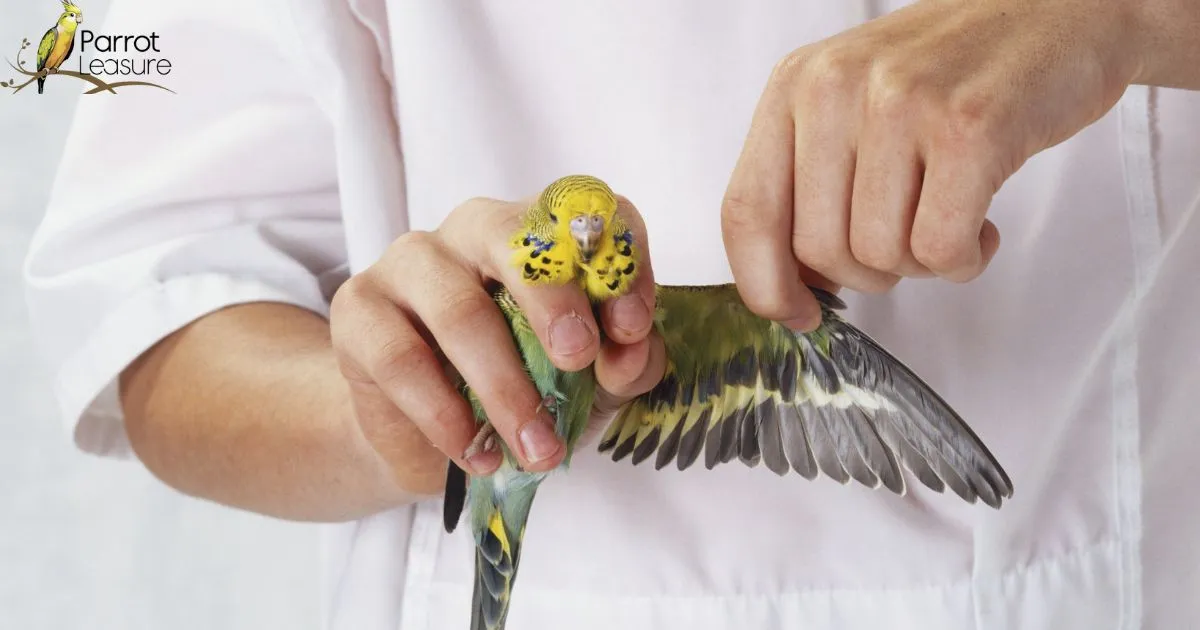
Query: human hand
[(426, 301), (874, 154)]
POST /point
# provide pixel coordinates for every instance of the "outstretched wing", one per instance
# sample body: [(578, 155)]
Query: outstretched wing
[(832, 401)]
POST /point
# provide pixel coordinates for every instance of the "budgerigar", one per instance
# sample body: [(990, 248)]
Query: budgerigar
[(59, 41), (736, 386)]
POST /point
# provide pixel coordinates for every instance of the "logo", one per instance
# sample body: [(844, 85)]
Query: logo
[(104, 61)]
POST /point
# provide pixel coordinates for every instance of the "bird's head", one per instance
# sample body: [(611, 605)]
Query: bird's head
[(72, 15), (582, 209)]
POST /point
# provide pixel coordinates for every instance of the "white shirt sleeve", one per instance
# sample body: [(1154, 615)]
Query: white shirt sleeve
[(167, 207)]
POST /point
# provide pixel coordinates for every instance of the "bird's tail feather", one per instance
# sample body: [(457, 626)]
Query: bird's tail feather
[(500, 528)]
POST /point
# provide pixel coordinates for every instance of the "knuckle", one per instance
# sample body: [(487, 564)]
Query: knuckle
[(414, 250), (474, 203), (830, 73), (470, 208), (875, 250), (787, 69), (353, 291), (470, 213), (942, 254), (477, 205), (414, 243), (769, 305), (480, 220), (817, 250), (349, 308), (397, 360), (740, 213), (891, 90), (969, 120), (415, 259)]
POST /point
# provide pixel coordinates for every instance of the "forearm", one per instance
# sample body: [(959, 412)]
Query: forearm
[(1167, 46), (246, 407)]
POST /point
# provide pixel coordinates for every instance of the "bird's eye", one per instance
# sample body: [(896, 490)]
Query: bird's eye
[(579, 223), (597, 221)]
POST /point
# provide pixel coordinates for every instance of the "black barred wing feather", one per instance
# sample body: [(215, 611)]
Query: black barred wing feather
[(831, 401)]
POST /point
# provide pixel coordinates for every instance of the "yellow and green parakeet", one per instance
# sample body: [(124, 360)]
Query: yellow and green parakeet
[(59, 41), (736, 386)]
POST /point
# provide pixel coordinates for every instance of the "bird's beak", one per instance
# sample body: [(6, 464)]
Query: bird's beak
[(587, 238), (587, 246)]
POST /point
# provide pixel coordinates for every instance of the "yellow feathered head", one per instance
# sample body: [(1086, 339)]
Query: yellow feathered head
[(71, 13), (582, 208)]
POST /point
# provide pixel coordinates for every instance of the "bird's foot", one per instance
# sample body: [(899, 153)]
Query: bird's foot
[(549, 403), (484, 441)]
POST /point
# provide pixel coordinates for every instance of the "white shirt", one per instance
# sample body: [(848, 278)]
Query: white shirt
[(307, 135)]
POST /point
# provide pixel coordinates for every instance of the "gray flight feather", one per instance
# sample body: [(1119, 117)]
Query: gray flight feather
[(832, 401)]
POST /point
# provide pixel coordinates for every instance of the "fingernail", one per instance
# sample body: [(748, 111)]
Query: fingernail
[(539, 440), (630, 314), (569, 334)]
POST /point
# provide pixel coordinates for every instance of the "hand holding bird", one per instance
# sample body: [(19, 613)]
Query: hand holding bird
[(427, 303)]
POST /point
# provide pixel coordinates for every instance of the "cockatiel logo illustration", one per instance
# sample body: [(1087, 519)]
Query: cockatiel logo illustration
[(59, 41), (116, 62)]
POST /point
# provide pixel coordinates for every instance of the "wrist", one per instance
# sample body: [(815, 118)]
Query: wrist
[(1119, 41), (382, 488), (1160, 45)]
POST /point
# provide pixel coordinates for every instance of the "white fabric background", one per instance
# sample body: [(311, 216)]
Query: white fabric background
[(98, 544)]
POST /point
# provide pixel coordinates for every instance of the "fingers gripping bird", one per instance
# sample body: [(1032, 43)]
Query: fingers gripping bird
[(737, 386), (59, 41)]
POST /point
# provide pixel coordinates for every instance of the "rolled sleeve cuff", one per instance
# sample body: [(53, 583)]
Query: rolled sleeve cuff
[(87, 383)]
